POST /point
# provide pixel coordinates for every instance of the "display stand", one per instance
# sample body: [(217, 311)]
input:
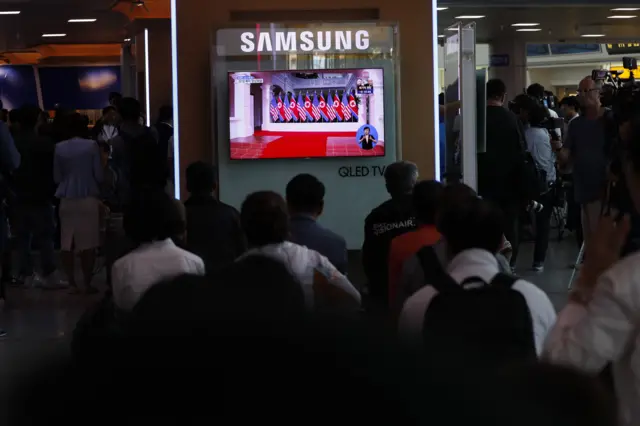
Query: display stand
[(263, 110)]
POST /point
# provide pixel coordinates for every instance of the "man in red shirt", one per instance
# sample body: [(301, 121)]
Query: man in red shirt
[(426, 199)]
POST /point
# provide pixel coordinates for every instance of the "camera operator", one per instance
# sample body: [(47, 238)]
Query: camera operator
[(585, 148), (536, 119), (600, 323), (537, 91)]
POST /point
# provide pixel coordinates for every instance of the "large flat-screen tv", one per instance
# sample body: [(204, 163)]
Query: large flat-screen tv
[(306, 114)]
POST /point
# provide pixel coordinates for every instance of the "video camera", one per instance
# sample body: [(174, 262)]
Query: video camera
[(528, 103), (622, 95)]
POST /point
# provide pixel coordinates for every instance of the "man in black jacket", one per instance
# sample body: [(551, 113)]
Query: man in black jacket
[(499, 167), (213, 228), (390, 219)]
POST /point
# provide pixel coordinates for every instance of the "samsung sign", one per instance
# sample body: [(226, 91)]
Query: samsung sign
[(269, 39), (306, 41)]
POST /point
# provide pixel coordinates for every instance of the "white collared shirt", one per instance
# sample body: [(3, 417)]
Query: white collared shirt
[(608, 330), (484, 265), (148, 265)]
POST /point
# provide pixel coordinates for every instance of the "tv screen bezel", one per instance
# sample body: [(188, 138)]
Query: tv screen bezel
[(228, 104)]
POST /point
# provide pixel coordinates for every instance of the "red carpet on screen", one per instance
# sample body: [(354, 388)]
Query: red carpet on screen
[(299, 144)]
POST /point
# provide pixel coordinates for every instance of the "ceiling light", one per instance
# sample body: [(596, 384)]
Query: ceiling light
[(77, 21), (525, 24), (593, 35), (442, 8), (126, 40), (10, 12), (470, 17), (452, 29), (54, 35), (622, 17), (626, 9), (529, 30), (441, 36)]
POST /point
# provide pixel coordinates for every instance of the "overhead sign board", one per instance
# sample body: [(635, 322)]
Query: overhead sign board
[(623, 48)]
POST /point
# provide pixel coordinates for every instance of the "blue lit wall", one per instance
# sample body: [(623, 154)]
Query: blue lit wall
[(17, 86), (78, 87)]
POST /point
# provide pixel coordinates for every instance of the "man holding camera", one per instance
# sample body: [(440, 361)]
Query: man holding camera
[(586, 148)]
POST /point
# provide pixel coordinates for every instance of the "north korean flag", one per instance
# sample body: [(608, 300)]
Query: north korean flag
[(337, 107), (312, 110), (353, 105), (293, 106)]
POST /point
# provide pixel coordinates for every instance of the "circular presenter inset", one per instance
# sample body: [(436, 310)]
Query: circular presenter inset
[(367, 137)]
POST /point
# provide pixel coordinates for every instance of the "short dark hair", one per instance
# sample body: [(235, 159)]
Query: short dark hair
[(538, 115), (77, 126), (496, 88), (165, 113), (130, 109), (14, 115), (524, 102), (201, 177), (473, 224), (426, 200), (305, 194), (400, 177), (152, 215), (264, 218), (571, 102), (536, 90), (114, 97), (29, 116)]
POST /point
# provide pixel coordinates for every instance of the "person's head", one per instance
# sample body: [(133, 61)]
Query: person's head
[(523, 105), (305, 195), (473, 224), (110, 115), (426, 200), (570, 107), (537, 115), (367, 131), (114, 98), (201, 178), (165, 114), (77, 126), (496, 91), (130, 110), (264, 218), (152, 215), (536, 90), (29, 117), (588, 93), (453, 196), (400, 178)]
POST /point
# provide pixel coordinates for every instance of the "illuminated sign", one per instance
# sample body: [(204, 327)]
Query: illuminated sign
[(623, 48), (626, 74)]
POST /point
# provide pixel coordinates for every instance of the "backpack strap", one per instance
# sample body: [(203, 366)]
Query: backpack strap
[(434, 274), (504, 281)]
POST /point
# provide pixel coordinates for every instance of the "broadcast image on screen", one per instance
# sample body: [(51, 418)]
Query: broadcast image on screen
[(306, 114)]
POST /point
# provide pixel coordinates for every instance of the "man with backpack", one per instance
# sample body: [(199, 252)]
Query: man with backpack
[(471, 310)]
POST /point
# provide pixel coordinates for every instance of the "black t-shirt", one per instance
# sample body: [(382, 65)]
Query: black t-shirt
[(498, 166)]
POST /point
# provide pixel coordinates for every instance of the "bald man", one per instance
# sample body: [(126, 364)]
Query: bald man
[(585, 148)]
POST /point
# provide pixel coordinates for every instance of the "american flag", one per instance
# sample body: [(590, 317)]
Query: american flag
[(273, 110), (344, 105), (315, 109), (302, 113)]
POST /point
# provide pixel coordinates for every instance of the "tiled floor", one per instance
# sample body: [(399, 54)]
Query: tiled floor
[(39, 322)]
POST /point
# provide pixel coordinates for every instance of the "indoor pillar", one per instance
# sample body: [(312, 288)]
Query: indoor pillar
[(508, 62)]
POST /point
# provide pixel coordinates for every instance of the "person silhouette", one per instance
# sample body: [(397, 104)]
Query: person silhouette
[(367, 141)]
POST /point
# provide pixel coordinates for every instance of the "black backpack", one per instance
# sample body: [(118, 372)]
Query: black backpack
[(476, 324), (146, 165)]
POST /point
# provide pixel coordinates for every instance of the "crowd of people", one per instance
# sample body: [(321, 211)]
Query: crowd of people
[(257, 305)]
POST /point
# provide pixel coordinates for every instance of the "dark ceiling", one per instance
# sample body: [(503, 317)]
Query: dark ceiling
[(18, 32), (557, 23)]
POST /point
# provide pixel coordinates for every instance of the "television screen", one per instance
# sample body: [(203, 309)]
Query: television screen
[(306, 114)]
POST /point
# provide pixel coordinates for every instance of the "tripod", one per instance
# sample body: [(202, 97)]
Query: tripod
[(577, 265)]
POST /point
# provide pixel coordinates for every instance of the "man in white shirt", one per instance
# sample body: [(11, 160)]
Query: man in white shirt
[(472, 240), (152, 221), (536, 91)]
